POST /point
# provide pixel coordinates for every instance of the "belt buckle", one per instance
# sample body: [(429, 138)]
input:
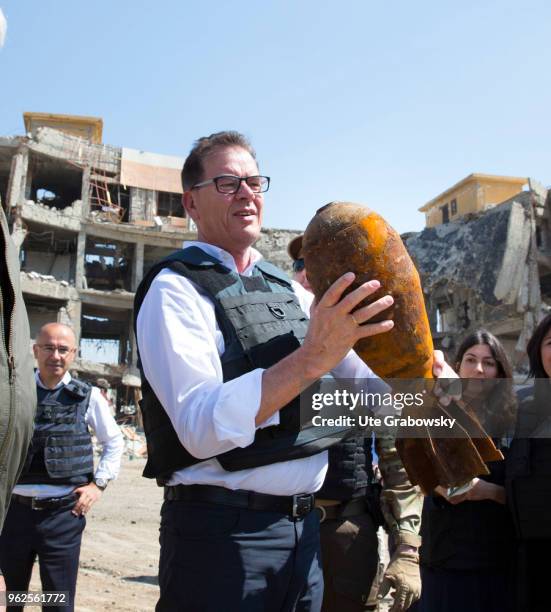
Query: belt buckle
[(302, 504), (34, 505)]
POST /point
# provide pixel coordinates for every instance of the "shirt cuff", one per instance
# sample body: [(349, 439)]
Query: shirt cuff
[(99, 473), (235, 411)]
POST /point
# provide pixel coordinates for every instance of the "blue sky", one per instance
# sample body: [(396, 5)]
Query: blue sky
[(382, 103)]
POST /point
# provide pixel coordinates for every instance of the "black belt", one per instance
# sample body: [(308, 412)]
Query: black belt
[(293, 505), (45, 503), (354, 507)]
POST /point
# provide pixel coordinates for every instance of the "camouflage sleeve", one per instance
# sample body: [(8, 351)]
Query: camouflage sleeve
[(401, 502)]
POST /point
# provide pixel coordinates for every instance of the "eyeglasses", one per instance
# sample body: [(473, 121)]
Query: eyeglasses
[(227, 183), (298, 265), (51, 349)]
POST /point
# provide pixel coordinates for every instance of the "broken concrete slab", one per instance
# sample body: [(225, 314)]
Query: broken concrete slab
[(482, 271)]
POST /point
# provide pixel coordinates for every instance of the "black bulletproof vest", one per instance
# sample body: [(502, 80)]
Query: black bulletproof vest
[(529, 465), (470, 535), (262, 322), (61, 448), (350, 471)]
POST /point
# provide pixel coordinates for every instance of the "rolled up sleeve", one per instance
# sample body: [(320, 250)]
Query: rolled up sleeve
[(108, 433)]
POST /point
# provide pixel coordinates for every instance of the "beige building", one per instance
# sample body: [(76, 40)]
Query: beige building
[(475, 193)]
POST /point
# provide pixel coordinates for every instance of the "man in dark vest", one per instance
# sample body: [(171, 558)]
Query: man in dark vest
[(58, 484), (225, 349)]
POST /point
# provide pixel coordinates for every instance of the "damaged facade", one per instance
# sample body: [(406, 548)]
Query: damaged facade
[(89, 221), (490, 269)]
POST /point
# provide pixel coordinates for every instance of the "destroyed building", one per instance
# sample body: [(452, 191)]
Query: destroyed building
[(488, 269), (89, 221)]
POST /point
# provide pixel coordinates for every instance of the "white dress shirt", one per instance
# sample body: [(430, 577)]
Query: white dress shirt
[(180, 346), (99, 418)]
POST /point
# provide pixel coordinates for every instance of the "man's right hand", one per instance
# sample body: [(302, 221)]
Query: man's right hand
[(332, 332), (334, 328)]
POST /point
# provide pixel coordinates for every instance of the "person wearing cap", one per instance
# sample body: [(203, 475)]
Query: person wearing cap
[(352, 504), (103, 385), (225, 348), (58, 484), (295, 253)]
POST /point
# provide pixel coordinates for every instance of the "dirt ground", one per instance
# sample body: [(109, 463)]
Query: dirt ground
[(120, 548)]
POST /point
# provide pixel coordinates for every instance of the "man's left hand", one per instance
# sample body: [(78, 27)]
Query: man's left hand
[(480, 490), (403, 574), (88, 495)]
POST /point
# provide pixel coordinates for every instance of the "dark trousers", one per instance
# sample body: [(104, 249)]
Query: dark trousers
[(350, 557), (216, 557), (532, 576), (52, 535), (476, 590)]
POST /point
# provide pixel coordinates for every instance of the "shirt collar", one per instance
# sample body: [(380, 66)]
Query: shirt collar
[(223, 256), (64, 381)]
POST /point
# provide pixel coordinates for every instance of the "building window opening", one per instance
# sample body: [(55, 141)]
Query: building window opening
[(464, 319), (169, 204), (53, 183), (439, 326), (100, 350), (445, 213), (104, 337), (41, 310), (443, 316), (107, 265), (4, 180), (49, 254), (453, 205)]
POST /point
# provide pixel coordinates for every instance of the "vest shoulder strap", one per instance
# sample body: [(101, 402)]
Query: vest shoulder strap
[(192, 263), (274, 273), (78, 388)]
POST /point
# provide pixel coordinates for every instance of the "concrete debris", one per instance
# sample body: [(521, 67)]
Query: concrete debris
[(134, 441), (46, 277), (489, 269)]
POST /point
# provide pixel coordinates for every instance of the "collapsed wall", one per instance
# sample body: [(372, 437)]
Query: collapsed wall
[(486, 271)]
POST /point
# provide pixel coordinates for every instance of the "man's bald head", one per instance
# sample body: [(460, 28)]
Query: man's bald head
[(49, 329), (54, 351)]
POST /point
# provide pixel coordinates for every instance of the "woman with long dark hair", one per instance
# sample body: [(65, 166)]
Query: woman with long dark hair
[(529, 476), (468, 539)]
